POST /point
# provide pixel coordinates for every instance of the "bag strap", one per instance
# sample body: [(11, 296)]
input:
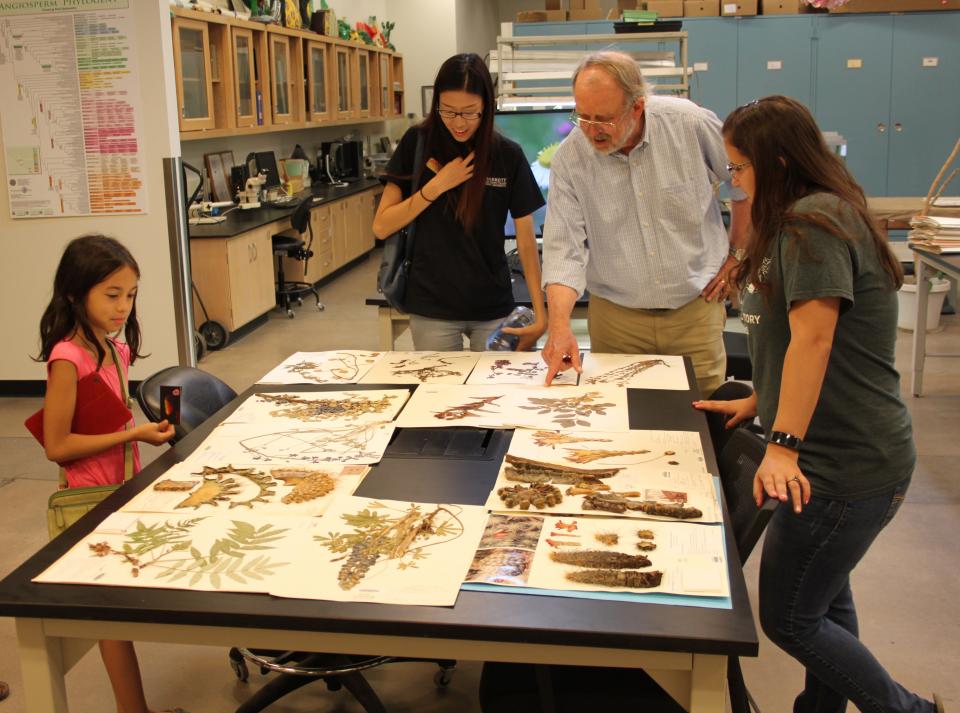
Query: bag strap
[(125, 396), (417, 175)]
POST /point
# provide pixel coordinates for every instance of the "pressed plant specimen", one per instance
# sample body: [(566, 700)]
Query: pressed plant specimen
[(556, 438), (469, 409), (570, 411), (616, 578), (217, 486), (307, 484), (325, 409), (621, 376), (168, 549), (317, 445), (378, 532), (425, 367)]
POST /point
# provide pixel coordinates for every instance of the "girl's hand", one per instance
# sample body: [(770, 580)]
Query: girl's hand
[(528, 335), (736, 411), (458, 171), (154, 433), (779, 477)]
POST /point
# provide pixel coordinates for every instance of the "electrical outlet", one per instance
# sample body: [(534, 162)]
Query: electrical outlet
[(701, 66), (931, 61), (854, 63), (775, 64)]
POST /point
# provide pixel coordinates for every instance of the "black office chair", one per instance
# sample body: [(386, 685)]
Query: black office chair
[(738, 463), (291, 246), (202, 395), (738, 356), (298, 668)]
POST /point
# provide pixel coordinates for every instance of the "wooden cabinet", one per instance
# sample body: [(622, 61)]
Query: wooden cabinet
[(244, 79), (234, 276), (317, 59), (344, 73), (191, 55), (236, 77)]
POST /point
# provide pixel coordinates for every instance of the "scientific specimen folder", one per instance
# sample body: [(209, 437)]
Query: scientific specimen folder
[(98, 410)]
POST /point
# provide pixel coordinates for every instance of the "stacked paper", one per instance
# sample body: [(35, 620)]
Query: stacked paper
[(937, 234)]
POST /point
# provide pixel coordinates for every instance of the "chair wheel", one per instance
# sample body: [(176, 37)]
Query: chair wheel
[(291, 314), (300, 301), (443, 677), (320, 307), (199, 345), (240, 669), (216, 335)]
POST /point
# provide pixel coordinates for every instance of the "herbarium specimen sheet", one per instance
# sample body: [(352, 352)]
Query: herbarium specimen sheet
[(345, 366), (638, 371), (422, 368)]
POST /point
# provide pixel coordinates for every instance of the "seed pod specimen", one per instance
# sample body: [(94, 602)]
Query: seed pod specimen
[(646, 546), (600, 559), (616, 578), (539, 495), (646, 535), (607, 538)]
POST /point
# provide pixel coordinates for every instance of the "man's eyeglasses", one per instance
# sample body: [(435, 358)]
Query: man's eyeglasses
[(605, 126), (466, 115), (734, 168)]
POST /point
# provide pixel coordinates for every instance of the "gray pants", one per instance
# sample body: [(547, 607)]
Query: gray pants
[(443, 335)]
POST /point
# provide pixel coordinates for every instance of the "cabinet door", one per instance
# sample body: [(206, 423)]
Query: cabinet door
[(925, 104), (318, 101), (386, 82), (344, 84), (191, 53), (363, 82), (368, 202), (281, 80), (250, 266), (713, 57), (852, 93), (396, 79), (353, 219), (338, 229), (244, 86), (774, 57)]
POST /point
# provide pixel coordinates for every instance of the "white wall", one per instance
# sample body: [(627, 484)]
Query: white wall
[(32, 247), (478, 23), (426, 35)]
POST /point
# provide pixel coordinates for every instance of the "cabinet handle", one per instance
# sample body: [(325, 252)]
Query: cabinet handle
[(256, 252), (898, 127), (881, 127)]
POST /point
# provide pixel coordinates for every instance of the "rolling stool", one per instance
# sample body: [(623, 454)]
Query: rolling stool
[(293, 246)]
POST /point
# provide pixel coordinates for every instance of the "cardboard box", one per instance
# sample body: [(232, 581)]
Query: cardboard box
[(897, 6), (701, 8), (784, 7), (532, 16), (556, 15), (552, 5), (665, 8), (628, 4), (587, 14), (738, 8)]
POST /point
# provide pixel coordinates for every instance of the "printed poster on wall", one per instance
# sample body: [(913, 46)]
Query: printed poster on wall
[(71, 108)]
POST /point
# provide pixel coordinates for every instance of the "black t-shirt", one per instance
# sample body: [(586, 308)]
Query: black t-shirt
[(456, 275)]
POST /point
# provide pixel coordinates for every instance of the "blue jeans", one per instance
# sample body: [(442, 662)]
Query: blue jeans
[(442, 335), (806, 604)]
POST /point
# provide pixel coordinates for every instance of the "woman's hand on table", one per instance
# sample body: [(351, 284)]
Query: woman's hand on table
[(736, 411)]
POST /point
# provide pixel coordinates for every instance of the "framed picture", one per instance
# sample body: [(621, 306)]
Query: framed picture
[(226, 158), (426, 98), (219, 182)]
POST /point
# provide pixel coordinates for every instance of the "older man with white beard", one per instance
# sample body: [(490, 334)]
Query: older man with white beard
[(632, 217)]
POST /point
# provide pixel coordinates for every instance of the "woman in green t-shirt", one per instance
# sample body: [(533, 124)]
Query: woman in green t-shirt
[(818, 288)]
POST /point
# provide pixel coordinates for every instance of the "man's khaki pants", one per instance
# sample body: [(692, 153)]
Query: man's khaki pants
[(694, 330)]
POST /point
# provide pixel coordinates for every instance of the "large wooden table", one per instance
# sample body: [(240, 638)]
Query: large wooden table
[(684, 648)]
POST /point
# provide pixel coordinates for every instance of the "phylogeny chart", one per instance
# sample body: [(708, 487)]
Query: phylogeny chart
[(345, 366), (637, 371)]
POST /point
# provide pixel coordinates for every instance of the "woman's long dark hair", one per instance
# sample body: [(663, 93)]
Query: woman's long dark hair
[(790, 160), (87, 261), (468, 73)]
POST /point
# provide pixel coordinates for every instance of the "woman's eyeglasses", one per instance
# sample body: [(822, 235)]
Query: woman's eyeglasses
[(734, 168), (466, 115)]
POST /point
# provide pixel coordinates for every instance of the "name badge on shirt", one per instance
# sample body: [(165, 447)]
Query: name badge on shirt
[(496, 182)]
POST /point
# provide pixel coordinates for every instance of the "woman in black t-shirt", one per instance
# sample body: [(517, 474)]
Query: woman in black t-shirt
[(471, 177)]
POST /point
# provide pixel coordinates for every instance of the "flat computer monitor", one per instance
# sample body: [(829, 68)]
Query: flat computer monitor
[(265, 161), (539, 133)]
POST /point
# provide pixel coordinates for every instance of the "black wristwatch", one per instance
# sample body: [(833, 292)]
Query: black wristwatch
[(786, 440)]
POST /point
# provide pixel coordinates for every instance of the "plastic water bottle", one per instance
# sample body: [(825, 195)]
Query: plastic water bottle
[(500, 342)]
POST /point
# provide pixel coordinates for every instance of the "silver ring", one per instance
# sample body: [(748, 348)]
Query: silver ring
[(794, 479)]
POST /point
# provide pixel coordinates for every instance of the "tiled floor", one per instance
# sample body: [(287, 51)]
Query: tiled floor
[(908, 589)]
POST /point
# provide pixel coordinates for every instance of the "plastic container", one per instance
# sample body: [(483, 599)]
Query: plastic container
[(500, 342)]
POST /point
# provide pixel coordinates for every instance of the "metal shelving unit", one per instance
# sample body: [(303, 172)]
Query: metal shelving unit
[(541, 75)]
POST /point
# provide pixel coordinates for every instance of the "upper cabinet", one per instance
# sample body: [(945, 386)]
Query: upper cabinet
[(239, 77), (191, 52)]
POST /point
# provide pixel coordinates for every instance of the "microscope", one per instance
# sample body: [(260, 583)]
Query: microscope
[(250, 196)]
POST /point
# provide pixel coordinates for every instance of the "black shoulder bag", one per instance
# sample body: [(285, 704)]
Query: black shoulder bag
[(398, 249)]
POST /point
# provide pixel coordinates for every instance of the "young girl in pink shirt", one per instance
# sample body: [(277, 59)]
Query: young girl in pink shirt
[(94, 300)]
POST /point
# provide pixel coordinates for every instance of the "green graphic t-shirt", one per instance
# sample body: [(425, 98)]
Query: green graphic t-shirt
[(860, 440)]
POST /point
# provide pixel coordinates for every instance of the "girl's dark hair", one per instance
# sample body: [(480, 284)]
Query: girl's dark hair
[(790, 160), (468, 73), (86, 262)]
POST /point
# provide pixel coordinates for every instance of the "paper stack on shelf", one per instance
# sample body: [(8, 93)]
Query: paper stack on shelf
[(936, 234)]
